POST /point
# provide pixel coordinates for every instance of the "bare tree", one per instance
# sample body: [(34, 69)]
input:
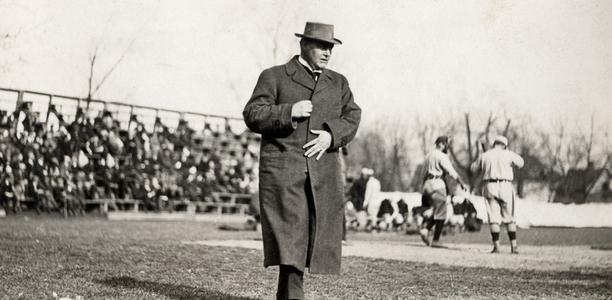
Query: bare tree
[(607, 150), (521, 134), (273, 40), (465, 154), (383, 146), (425, 132), (398, 154), (589, 145), (273, 36), (95, 85), (563, 152)]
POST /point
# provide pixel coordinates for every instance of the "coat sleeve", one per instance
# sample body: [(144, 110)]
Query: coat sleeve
[(344, 129), (261, 114)]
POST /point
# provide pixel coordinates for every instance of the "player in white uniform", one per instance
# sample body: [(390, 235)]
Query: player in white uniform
[(436, 165), (496, 168)]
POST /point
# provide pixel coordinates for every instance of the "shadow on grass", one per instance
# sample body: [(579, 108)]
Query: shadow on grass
[(174, 291)]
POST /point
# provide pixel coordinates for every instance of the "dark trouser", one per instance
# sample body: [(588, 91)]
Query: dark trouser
[(437, 225), (290, 283), (343, 226), (290, 278)]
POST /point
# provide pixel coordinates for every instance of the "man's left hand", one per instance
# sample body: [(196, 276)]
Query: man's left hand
[(318, 145)]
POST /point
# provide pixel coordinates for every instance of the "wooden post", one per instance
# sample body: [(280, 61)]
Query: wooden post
[(48, 106), (19, 99)]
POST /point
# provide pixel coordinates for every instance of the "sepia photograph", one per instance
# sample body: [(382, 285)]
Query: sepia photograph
[(270, 149)]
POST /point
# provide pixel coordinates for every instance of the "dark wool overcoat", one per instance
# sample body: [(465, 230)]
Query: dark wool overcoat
[(284, 170)]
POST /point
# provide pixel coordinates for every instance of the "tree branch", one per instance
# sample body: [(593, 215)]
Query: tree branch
[(590, 142), (468, 132), (507, 128), (92, 63), (114, 66)]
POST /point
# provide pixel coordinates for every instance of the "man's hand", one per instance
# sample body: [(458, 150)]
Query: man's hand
[(318, 145), (301, 109)]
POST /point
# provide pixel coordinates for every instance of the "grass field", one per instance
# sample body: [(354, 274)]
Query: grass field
[(98, 259)]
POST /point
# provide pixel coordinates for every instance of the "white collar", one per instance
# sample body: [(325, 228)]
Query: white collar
[(307, 65)]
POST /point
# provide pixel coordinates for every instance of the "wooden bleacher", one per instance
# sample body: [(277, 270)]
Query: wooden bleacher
[(222, 203), (180, 205), (227, 203), (104, 204)]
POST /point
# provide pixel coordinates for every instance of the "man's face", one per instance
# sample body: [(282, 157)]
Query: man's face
[(443, 147), (316, 53)]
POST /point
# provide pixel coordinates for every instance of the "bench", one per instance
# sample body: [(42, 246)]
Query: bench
[(227, 203), (131, 203), (184, 204), (104, 204)]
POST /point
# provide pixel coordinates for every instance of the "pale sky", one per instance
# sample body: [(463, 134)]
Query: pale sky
[(548, 59)]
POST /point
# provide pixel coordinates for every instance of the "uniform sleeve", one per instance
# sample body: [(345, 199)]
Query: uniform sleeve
[(447, 166), (261, 114), (344, 129), (517, 160)]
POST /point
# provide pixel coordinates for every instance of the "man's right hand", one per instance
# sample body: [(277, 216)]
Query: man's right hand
[(301, 109)]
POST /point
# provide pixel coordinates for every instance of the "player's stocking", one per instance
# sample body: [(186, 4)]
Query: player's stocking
[(512, 235), (495, 229), (438, 229), (430, 223)]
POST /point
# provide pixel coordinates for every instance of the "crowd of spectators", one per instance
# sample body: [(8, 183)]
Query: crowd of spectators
[(58, 165)]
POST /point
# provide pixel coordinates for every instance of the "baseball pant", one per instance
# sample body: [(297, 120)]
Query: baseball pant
[(435, 190), (500, 202)]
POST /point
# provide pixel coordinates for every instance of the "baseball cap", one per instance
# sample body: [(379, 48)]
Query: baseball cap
[(501, 139), (442, 140)]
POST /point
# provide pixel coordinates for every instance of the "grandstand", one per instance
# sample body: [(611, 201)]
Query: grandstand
[(74, 155)]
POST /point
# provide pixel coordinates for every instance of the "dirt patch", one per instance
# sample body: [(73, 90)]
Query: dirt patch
[(544, 258)]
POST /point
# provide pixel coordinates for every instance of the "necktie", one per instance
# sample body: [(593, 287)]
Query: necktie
[(316, 74)]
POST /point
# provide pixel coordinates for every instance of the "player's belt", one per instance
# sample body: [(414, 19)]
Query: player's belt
[(429, 176), (497, 180)]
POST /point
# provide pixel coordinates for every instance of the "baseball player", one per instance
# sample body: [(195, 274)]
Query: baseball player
[(496, 168), (436, 165), (372, 199)]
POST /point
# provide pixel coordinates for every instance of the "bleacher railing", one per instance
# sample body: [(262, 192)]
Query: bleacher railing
[(10, 99)]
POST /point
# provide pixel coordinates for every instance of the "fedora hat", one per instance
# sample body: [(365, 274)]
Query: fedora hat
[(319, 32)]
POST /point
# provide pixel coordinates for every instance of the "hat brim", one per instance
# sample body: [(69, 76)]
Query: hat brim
[(331, 41)]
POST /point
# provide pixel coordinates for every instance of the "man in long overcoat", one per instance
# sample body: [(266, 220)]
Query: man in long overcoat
[(304, 113)]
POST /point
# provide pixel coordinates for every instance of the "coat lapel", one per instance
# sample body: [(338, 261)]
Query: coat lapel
[(298, 74), (323, 81)]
